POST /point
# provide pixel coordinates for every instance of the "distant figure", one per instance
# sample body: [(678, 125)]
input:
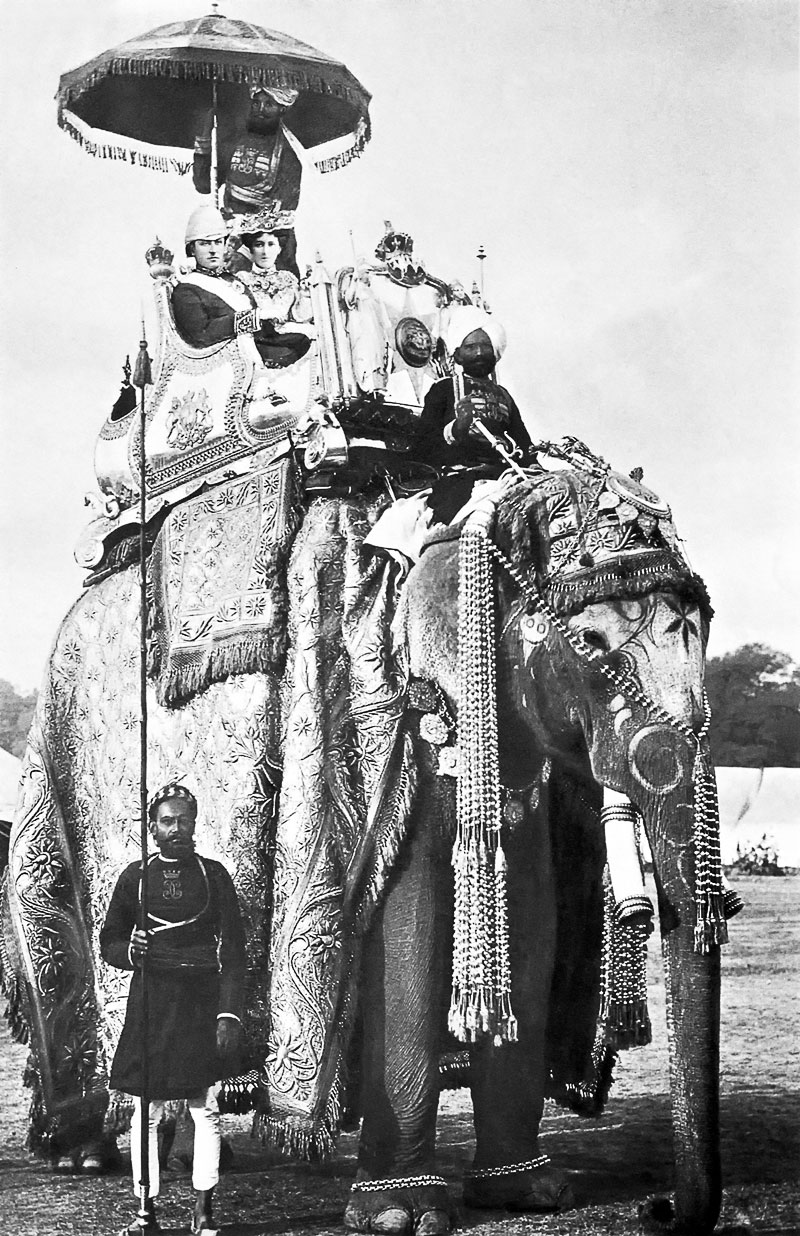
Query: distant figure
[(195, 955), (258, 167)]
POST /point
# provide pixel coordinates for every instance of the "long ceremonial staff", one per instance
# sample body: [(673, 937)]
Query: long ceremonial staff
[(142, 377), (502, 450)]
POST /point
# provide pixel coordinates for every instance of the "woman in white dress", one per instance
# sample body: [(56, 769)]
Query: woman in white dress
[(275, 284)]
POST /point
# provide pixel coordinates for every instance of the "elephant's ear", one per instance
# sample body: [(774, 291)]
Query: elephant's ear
[(522, 529), (428, 616)]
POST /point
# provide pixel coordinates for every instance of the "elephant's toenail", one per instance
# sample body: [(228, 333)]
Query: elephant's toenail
[(392, 1221), (433, 1223)]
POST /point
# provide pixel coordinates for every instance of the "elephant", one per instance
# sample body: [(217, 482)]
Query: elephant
[(320, 742), (600, 630)]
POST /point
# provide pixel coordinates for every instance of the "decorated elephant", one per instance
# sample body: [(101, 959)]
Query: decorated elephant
[(599, 626), (326, 665)]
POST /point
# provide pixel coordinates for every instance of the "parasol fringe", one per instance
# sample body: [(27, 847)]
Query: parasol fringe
[(210, 70), (217, 71), (128, 154)]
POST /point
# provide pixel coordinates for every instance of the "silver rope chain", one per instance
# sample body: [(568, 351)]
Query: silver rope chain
[(398, 1182), (509, 1169)]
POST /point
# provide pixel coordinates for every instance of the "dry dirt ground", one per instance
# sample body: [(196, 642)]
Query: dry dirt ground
[(615, 1161)]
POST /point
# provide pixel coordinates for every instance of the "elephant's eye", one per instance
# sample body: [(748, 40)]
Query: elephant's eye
[(595, 640)]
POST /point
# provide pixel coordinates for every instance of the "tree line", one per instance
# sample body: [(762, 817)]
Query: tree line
[(754, 695)]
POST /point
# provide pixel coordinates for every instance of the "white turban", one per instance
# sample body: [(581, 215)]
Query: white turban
[(464, 319), (283, 96)]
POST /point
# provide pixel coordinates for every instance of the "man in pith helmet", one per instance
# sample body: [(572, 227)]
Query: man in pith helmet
[(194, 949), (210, 305)]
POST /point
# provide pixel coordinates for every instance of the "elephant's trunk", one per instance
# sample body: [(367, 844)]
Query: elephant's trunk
[(693, 1001), (693, 984), (657, 776)]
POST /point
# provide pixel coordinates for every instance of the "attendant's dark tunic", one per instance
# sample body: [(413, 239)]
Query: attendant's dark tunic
[(502, 416), (195, 972)]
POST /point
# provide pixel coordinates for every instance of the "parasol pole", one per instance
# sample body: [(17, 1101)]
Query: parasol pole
[(142, 377), (214, 154)]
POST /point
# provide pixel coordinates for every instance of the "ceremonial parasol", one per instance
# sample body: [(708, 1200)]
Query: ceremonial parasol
[(143, 100)]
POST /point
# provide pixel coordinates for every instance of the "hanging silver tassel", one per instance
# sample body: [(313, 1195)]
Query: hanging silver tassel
[(710, 926), (481, 996)]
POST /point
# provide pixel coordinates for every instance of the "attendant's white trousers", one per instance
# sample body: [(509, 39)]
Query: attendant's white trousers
[(205, 1114)]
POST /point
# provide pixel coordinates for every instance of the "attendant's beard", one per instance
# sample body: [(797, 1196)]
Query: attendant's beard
[(263, 125), (182, 850)]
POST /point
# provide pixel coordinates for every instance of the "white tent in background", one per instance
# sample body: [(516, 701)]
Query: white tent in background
[(10, 771), (759, 802)]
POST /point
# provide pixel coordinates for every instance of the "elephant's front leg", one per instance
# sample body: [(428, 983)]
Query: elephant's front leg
[(508, 1081), (397, 1188)]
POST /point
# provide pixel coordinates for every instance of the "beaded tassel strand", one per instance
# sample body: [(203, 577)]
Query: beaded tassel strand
[(481, 998)]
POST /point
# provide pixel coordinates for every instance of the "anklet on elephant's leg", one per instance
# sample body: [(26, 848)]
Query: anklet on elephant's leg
[(509, 1169), (397, 1182), (630, 910)]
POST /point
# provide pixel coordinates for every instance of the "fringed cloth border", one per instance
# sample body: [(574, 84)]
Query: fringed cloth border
[(146, 154), (628, 576), (345, 806), (138, 154), (121, 1107), (217, 583), (625, 577)]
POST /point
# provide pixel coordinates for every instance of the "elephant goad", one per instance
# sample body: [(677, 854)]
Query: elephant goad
[(341, 732)]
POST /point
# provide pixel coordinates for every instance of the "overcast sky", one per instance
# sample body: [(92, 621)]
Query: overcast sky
[(631, 167)]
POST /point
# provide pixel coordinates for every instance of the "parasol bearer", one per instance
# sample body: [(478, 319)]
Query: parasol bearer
[(195, 959), (258, 166)]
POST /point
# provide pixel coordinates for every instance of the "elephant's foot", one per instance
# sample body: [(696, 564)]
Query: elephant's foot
[(533, 1185), (95, 1158), (657, 1215), (403, 1204), (657, 1218)]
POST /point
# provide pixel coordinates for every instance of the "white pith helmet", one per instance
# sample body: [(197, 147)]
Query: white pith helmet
[(205, 223)]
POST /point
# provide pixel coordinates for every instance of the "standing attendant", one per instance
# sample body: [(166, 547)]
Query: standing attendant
[(195, 957)]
